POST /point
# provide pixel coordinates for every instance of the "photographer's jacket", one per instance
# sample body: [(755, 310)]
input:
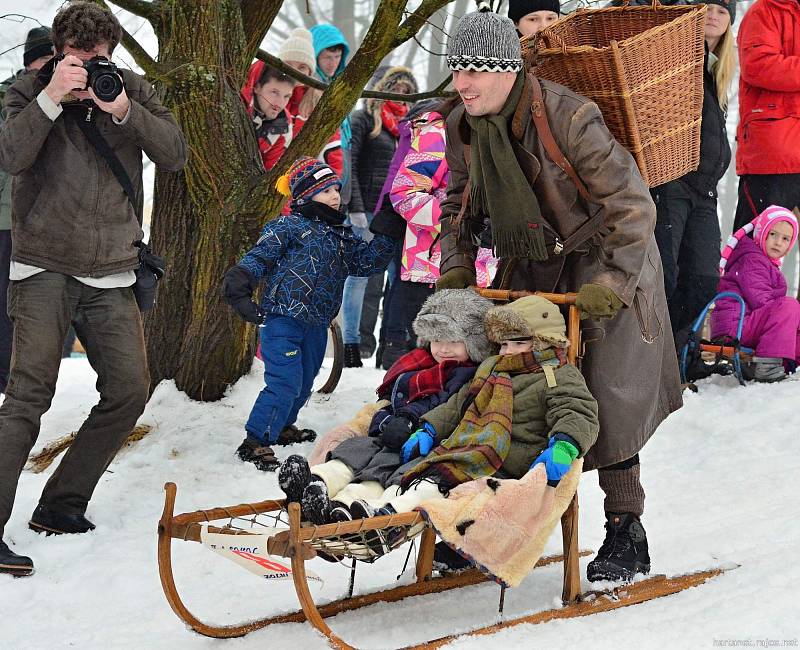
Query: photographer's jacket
[(70, 213)]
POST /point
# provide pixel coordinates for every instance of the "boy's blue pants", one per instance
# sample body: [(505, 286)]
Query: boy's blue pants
[(292, 351)]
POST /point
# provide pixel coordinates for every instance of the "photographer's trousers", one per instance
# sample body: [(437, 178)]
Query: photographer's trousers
[(108, 323)]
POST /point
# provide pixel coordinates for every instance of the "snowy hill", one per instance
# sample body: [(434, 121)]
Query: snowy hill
[(722, 485)]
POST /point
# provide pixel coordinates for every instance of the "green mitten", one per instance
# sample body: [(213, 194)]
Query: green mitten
[(458, 277), (597, 301)]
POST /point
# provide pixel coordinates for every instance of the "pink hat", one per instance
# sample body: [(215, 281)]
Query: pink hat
[(760, 227)]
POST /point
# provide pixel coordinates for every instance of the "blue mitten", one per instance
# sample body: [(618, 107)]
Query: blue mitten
[(557, 458), (419, 444)]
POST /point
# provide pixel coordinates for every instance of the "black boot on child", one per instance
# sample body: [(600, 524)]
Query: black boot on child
[(624, 552)]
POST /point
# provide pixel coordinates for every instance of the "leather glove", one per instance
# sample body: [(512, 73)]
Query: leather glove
[(395, 431), (557, 458), (238, 286), (419, 444), (597, 301), (458, 277)]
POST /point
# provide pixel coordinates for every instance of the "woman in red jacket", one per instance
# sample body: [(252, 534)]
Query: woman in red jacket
[(767, 155)]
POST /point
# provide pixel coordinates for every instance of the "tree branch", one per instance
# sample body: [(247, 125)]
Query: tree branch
[(313, 82), (139, 8), (139, 54), (414, 21), (257, 18)]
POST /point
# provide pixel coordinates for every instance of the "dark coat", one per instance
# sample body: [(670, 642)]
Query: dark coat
[(630, 362), (715, 150), (70, 214), (370, 159), (304, 263)]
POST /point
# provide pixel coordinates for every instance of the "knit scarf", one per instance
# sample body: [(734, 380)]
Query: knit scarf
[(391, 114), (499, 187), (319, 211), (481, 441), (429, 376)]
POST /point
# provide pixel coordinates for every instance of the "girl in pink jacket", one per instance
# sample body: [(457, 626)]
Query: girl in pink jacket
[(750, 266)]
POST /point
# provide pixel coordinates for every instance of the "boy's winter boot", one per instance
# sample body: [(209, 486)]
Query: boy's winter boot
[(16, 565), (352, 356), (375, 539), (256, 452), (447, 562), (291, 434), (769, 369), (315, 506), (293, 478), (624, 552)]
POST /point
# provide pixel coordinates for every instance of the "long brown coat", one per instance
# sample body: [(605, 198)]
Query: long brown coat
[(630, 362)]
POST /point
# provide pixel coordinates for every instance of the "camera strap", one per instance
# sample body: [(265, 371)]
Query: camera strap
[(94, 136)]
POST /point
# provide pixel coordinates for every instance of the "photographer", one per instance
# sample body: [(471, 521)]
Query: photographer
[(73, 258)]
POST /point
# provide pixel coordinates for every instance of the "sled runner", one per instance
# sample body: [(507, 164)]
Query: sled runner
[(299, 542)]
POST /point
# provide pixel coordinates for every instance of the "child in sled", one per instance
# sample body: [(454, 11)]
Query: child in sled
[(302, 260), (751, 267), (452, 342), (525, 407)]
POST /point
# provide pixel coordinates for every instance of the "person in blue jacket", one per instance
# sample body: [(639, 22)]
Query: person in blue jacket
[(302, 259)]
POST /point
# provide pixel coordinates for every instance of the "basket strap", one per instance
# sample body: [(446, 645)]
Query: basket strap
[(549, 142)]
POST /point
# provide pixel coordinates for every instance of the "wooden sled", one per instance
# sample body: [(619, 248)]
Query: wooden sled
[(348, 541), (301, 543)]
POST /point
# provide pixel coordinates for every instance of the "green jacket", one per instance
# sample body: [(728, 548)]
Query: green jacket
[(539, 412), (70, 214)]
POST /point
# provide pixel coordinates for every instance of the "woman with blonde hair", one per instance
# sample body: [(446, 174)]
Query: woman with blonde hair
[(687, 226)]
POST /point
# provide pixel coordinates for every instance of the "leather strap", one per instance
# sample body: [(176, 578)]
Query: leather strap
[(549, 142)]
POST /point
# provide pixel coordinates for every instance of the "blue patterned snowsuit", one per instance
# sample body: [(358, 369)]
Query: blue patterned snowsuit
[(303, 264)]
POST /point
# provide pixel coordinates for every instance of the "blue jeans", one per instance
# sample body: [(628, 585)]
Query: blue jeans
[(293, 352), (353, 296)]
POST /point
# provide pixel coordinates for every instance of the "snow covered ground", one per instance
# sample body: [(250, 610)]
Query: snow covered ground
[(722, 488)]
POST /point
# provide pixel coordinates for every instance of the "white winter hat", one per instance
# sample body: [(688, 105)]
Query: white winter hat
[(298, 47)]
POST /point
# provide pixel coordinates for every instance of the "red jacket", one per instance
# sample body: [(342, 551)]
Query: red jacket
[(271, 145), (769, 89)]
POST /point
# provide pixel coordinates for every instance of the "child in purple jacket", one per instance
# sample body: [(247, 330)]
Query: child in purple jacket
[(750, 266)]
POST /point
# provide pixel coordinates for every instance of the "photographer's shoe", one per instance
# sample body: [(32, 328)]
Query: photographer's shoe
[(51, 522), (13, 564)]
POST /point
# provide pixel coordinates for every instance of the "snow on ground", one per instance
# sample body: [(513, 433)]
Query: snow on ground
[(722, 485)]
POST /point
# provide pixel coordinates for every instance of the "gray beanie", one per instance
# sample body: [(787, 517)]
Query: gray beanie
[(455, 315), (485, 42)]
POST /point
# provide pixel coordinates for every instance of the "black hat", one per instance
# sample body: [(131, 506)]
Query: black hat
[(730, 5), (38, 43), (517, 9)]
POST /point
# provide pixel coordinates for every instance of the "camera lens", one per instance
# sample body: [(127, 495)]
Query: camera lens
[(107, 86)]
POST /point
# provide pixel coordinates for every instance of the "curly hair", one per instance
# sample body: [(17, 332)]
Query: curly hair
[(84, 25)]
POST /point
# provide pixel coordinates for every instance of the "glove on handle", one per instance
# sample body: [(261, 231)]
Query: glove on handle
[(598, 302)]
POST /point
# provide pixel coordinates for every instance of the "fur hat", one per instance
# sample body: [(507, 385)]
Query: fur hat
[(299, 47), (485, 42), (455, 315), (305, 178), (518, 9), (760, 227), (531, 316), (38, 43)]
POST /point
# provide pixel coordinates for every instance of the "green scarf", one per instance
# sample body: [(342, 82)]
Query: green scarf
[(481, 441), (499, 186)]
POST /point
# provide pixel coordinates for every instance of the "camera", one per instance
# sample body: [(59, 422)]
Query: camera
[(104, 78)]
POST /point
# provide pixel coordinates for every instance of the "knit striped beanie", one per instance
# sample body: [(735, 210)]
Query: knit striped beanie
[(760, 227), (484, 42), (305, 178)]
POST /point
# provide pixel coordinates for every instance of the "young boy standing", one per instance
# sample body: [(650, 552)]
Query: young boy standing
[(532, 16), (303, 260)]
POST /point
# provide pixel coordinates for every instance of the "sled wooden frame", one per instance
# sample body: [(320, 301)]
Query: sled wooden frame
[(337, 345), (296, 544)]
